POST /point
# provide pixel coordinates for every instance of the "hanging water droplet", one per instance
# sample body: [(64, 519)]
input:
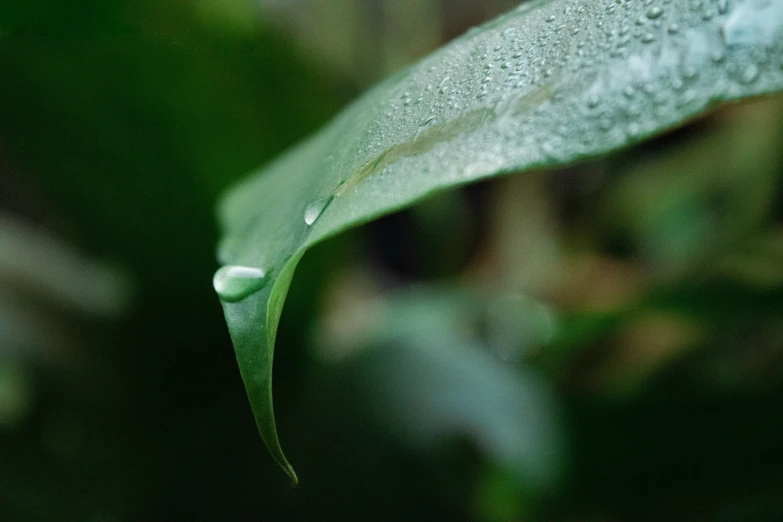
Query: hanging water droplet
[(234, 283), (316, 208)]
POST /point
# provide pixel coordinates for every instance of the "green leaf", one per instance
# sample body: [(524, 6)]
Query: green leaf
[(425, 365), (548, 84)]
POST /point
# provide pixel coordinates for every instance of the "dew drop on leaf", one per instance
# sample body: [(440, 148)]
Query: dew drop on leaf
[(316, 208), (552, 83), (234, 283), (750, 74), (654, 12)]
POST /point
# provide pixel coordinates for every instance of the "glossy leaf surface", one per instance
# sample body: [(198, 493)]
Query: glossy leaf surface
[(548, 84)]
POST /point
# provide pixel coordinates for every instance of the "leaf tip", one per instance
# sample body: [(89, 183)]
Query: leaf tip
[(291, 474)]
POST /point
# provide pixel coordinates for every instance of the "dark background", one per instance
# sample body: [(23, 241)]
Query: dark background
[(637, 300)]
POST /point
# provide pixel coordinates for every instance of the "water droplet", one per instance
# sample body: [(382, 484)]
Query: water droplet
[(661, 98), (316, 208), (648, 38), (689, 73), (550, 19), (654, 12), (750, 74), (234, 283), (686, 98)]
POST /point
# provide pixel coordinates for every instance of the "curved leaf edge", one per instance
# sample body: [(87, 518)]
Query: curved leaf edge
[(278, 287)]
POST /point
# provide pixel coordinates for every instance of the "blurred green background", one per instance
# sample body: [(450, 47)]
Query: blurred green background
[(603, 342)]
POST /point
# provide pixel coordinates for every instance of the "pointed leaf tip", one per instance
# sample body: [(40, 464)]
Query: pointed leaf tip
[(548, 84)]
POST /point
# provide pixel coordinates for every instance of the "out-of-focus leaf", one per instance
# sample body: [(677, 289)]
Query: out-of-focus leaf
[(15, 391), (550, 83), (427, 376), (686, 207), (31, 261)]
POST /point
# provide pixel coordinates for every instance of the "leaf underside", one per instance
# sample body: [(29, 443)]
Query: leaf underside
[(548, 84)]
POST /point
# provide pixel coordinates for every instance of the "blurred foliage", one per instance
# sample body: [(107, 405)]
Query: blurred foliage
[(647, 289)]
